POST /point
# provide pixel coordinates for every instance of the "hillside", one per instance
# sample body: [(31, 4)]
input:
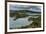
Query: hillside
[(13, 11)]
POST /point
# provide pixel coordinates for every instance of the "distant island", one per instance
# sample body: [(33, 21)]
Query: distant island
[(14, 11)]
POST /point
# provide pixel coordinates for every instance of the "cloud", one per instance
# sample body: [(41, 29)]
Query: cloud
[(25, 7)]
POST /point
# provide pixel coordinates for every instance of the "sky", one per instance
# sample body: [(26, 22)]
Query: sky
[(25, 7)]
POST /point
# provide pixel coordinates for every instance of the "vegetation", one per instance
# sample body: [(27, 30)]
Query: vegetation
[(36, 23), (18, 15)]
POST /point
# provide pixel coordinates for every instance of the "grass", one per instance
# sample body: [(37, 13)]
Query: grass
[(36, 23)]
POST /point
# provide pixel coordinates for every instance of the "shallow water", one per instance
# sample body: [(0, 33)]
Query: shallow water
[(19, 22)]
